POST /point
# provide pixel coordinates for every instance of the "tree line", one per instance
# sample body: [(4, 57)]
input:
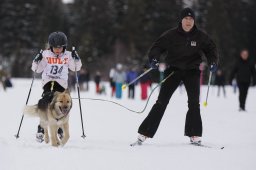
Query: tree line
[(109, 31)]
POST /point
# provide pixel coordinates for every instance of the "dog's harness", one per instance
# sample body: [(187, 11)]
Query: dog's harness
[(57, 119), (52, 84)]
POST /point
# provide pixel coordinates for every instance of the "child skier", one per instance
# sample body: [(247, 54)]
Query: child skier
[(54, 64)]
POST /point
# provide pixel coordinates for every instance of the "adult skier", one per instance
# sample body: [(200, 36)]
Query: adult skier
[(184, 45)]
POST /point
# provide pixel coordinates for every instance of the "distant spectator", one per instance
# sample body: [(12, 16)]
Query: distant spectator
[(84, 79), (144, 84), (131, 75), (220, 82), (72, 81), (111, 80), (234, 85), (8, 82), (119, 78), (2, 78), (244, 72), (97, 80)]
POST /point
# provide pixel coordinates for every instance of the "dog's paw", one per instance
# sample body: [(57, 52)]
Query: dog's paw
[(62, 145), (46, 140), (63, 142), (55, 144)]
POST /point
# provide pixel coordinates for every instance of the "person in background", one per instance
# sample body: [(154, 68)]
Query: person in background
[(145, 82), (111, 81), (220, 82), (97, 80), (119, 79), (54, 64), (87, 79), (244, 72), (131, 75), (2, 77), (234, 85), (84, 79), (72, 81)]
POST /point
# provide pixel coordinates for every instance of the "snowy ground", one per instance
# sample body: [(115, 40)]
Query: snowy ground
[(109, 130)]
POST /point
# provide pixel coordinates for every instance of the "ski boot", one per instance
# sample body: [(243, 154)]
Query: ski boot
[(140, 140), (60, 133), (195, 140)]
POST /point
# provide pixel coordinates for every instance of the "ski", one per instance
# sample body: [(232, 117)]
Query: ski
[(137, 143), (207, 146)]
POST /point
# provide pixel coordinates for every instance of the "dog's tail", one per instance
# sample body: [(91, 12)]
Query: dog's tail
[(31, 111)]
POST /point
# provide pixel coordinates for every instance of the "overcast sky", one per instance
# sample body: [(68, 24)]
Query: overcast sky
[(67, 1)]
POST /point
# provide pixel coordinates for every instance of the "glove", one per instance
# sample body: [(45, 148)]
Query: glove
[(213, 67), (154, 63), (75, 55), (39, 57)]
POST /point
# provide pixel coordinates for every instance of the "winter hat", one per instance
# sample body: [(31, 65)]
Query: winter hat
[(187, 12), (119, 66)]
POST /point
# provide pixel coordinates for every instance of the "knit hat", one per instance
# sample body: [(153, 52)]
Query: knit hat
[(187, 12)]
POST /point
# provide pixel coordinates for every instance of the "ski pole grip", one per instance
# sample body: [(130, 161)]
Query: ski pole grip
[(41, 51), (38, 57)]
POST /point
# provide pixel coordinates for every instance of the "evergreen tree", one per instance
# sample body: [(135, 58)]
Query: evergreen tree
[(227, 23), (93, 26), (27, 24), (251, 13)]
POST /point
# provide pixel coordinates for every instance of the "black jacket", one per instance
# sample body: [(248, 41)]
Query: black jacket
[(220, 80), (244, 71), (184, 49)]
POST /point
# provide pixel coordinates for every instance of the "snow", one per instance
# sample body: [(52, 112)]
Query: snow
[(109, 130)]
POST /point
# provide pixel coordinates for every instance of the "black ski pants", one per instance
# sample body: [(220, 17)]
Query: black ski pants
[(243, 90), (193, 124), (131, 91), (47, 95)]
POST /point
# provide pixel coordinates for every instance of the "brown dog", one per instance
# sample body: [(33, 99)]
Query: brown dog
[(54, 117)]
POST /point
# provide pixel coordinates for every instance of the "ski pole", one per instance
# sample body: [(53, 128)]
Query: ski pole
[(144, 73), (209, 83), (78, 91), (34, 74)]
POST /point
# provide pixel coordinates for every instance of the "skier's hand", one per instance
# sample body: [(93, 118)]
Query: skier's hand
[(38, 57), (154, 63), (213, 67), (75, 55)]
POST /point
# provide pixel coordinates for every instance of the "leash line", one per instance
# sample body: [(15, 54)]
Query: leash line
[(134, 111)]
